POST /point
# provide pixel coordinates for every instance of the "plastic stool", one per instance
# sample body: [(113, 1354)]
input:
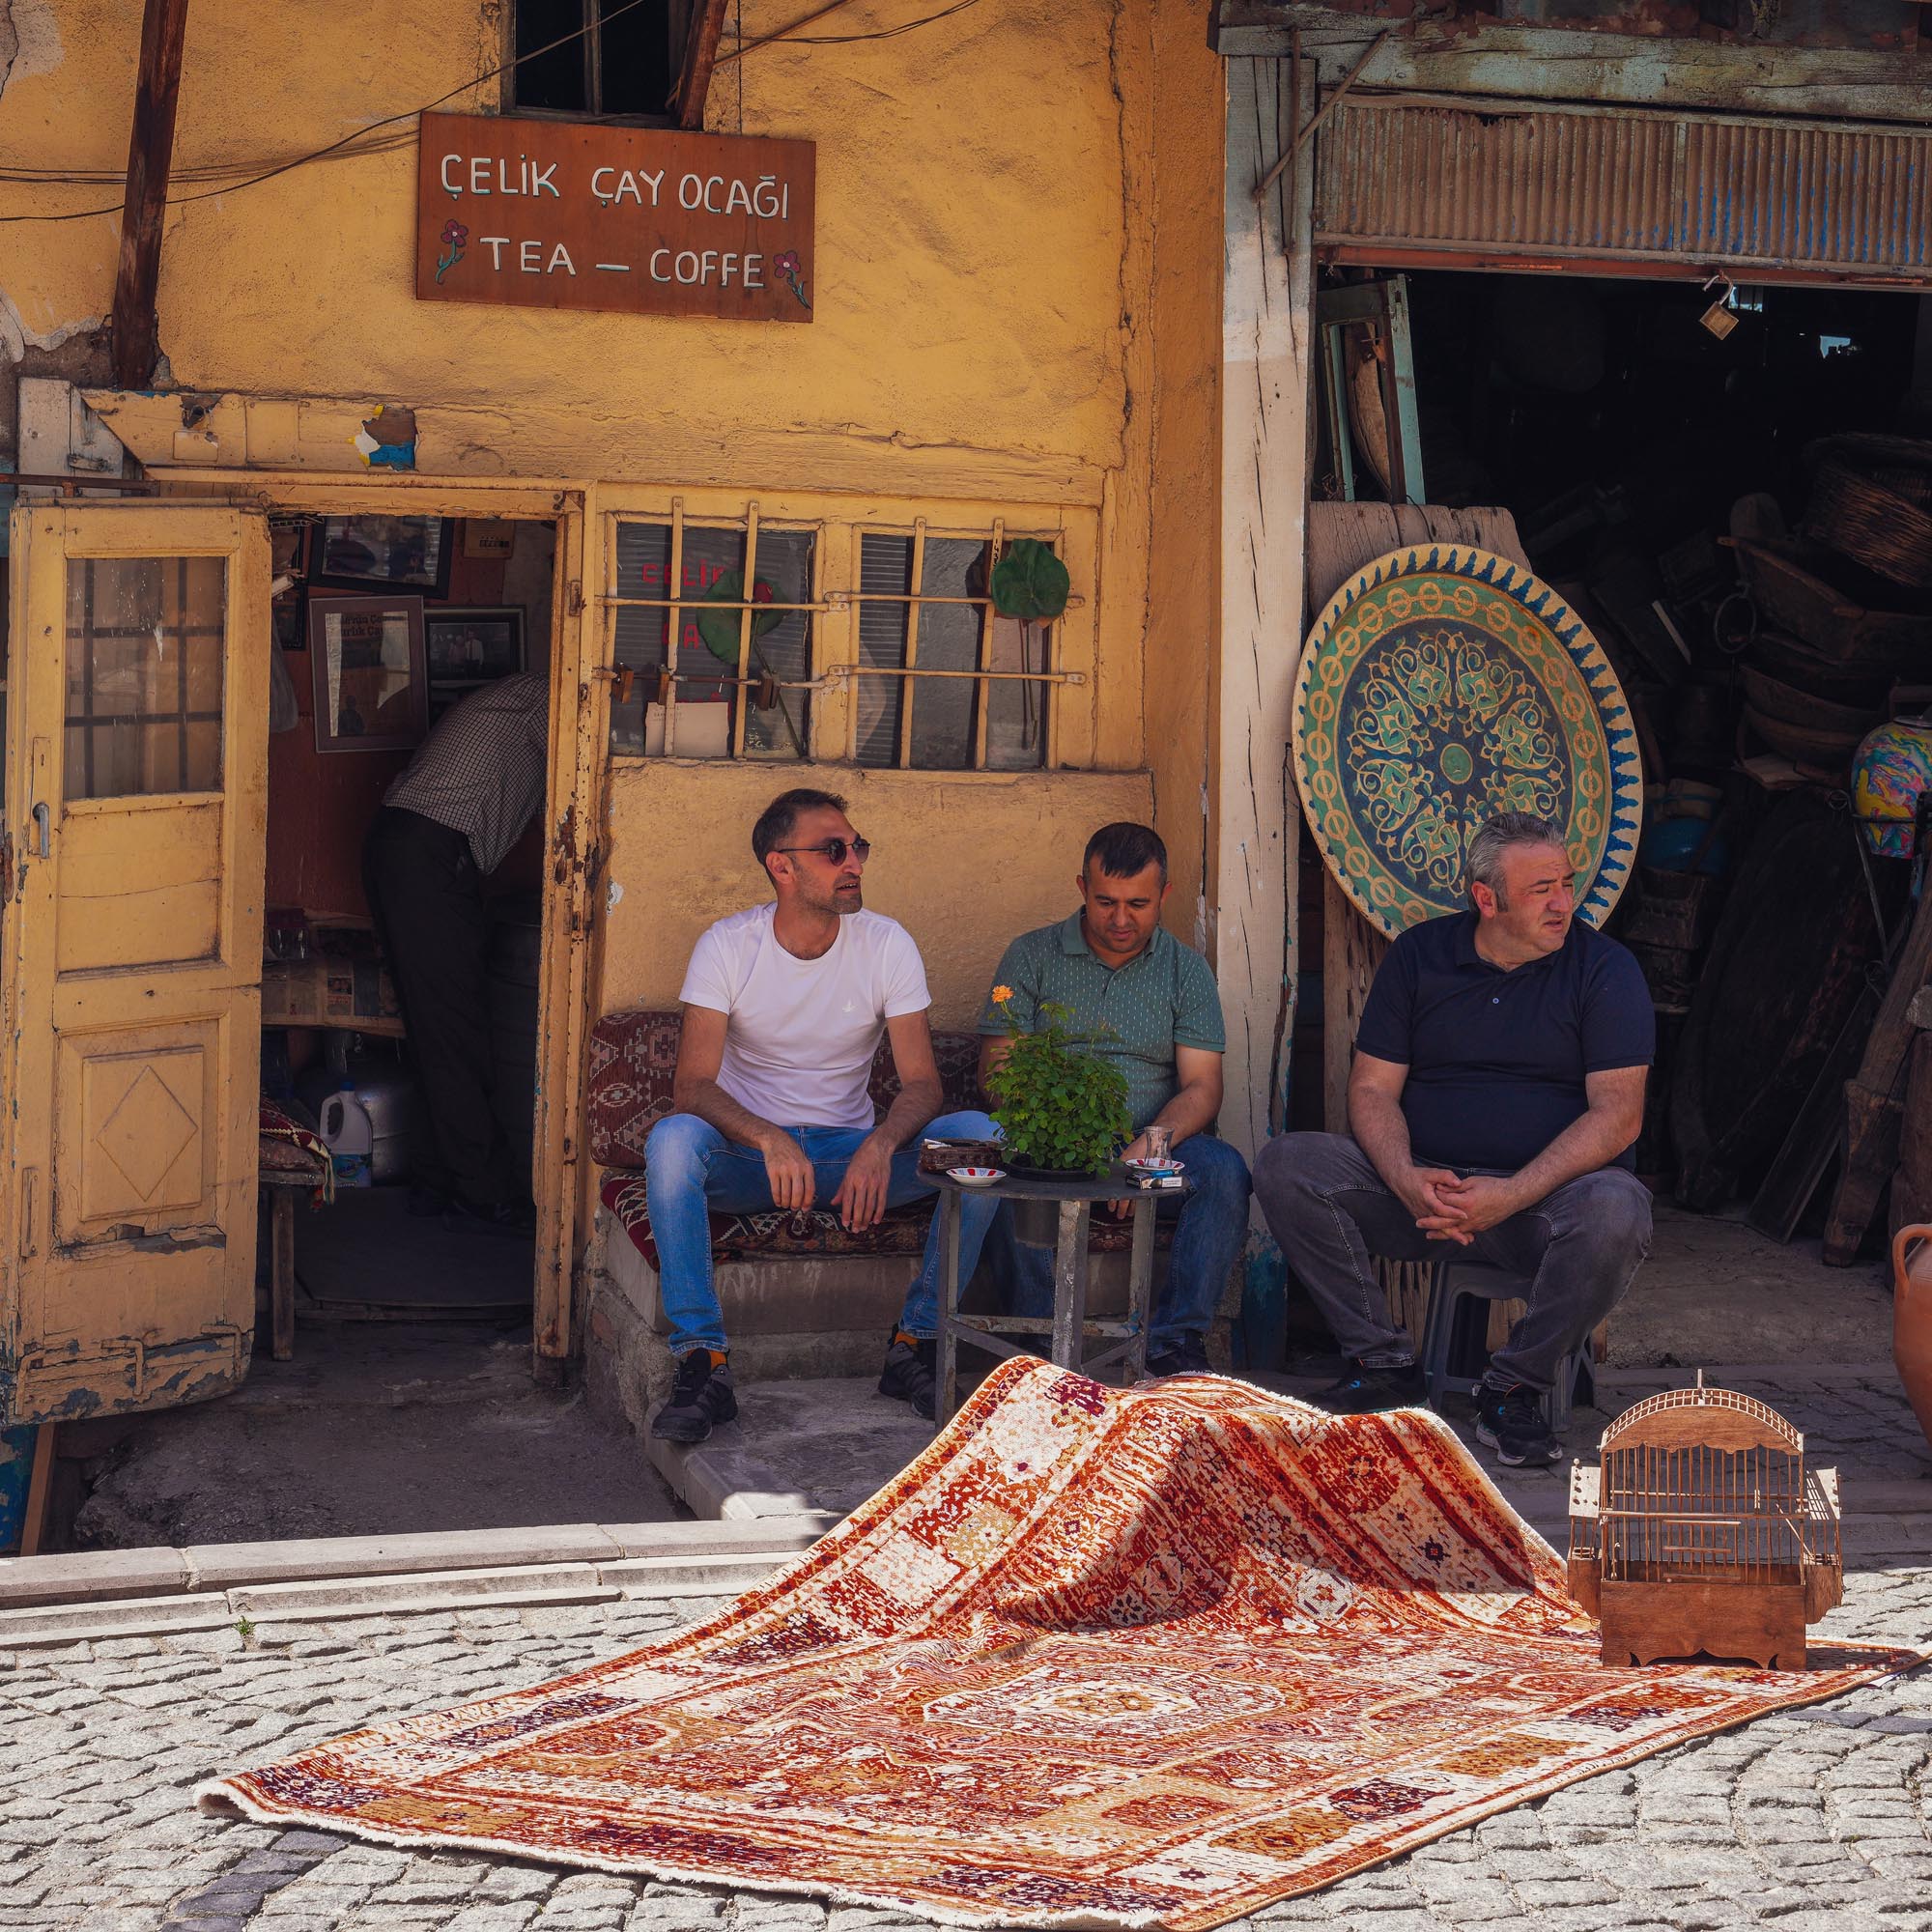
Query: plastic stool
[(1460, 1291)]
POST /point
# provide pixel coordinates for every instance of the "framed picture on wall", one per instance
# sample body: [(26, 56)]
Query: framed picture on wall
[(472, 644), (398, 552), (366, 656)]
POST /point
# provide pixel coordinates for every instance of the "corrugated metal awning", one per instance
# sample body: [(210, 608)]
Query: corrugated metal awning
[(1405, 180)]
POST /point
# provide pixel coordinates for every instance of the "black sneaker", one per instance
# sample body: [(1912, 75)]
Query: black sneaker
[(702, 1396), (1510, 1420), (1369, 1391), (1182, 1356), (911, 1375)]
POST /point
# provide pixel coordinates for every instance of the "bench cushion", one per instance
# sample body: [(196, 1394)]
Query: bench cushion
[(633, 1055)]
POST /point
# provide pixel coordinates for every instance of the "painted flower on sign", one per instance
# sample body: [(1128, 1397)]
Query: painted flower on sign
[(455, 236), (791, 272)]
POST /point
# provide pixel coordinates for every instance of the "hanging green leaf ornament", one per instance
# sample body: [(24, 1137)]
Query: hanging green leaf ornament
[(720, 629), (1030, 583)]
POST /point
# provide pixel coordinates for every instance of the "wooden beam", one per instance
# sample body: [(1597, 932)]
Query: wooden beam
[(1550, 64), (151, 146), (700, 56)]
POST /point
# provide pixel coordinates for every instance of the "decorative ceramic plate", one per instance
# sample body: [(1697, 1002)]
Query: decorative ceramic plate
[(1443, 683)]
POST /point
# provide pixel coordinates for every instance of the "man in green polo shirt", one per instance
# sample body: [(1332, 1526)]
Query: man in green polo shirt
[(1154, 1007)]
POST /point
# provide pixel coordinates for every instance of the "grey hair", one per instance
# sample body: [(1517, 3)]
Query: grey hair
[(1495, 836)]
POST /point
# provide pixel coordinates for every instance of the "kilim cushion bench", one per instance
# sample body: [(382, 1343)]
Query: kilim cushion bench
[(633, 1057), (801, 1294)]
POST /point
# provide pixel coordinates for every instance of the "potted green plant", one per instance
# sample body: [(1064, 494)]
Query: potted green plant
[(1063, 1110)]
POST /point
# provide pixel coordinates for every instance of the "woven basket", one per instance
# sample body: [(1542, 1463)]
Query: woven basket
[(1871, 522)]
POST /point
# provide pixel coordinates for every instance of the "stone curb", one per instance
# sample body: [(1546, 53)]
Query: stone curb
[(330, 1600), (116, 1576)]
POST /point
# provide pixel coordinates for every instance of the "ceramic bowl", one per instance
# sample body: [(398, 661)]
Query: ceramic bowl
[(976, 1177)]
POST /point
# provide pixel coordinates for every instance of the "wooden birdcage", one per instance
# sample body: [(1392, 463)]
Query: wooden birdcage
[(1703, 1531)]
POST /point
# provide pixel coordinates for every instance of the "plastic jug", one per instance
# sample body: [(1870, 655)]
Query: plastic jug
[(349, 1135)]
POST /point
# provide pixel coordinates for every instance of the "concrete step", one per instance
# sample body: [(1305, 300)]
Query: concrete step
[(207, 1569)]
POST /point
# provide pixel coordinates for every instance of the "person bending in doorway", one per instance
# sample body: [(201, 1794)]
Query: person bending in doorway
[(1496, 1092), (784, 1006), (1148, 1004), (444, 826)]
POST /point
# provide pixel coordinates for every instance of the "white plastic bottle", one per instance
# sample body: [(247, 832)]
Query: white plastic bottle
[(349, 1135)]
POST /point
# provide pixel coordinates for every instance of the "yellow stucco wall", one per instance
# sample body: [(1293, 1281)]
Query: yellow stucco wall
[(970, 239), (963, 862), (1013, 298)]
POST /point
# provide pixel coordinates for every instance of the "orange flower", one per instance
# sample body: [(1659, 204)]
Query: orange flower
[(1001, 995)]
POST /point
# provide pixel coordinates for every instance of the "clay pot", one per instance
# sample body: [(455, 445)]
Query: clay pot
[(1912, 1317)]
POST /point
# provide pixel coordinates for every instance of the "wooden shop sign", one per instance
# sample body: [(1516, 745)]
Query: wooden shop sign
[(567, 214)]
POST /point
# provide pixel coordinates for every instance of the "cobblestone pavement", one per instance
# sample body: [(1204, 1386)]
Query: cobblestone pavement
[(1817, 1819)]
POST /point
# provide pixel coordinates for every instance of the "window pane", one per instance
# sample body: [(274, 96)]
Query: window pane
[(943, 708), (783, 648), (1015, 712), (885, 568), (552, 80), (637, 75), (144, 641)]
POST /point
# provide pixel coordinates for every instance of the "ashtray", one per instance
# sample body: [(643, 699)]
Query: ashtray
[(1151, 1170), (976, 1177)]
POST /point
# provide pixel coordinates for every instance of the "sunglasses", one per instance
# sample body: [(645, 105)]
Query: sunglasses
[(835, 849)]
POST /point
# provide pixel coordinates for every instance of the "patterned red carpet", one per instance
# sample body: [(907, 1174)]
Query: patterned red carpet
[(1098, 1659)]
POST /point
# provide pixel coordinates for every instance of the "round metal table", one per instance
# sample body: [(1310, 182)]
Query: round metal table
[(1071, 1327)]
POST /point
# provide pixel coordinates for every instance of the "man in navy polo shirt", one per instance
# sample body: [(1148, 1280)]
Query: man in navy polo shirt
[(1496, 1093)]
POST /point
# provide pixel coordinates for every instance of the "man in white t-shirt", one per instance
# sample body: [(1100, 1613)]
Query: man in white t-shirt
[(783, 1006)]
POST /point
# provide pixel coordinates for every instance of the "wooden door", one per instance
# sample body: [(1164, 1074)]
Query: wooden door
[(135, 801)]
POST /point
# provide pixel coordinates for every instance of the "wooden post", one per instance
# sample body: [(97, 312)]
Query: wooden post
[(1265, 330), (1874, 1102), (1070, 1283), (150, 147), (39, 1479), (1352, 950), (700, 56)]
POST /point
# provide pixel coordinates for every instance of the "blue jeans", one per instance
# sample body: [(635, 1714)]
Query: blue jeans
[(692, 1171), (1212, 1231)]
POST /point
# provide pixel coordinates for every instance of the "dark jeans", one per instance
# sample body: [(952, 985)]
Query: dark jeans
[(427, 897), (1578, 1248), (1212, 1227)]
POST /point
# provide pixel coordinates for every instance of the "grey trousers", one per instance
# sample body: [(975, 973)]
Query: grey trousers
[(1578, 1248)]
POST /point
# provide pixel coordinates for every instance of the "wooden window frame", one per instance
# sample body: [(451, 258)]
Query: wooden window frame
[(677, 34), (835, 602)]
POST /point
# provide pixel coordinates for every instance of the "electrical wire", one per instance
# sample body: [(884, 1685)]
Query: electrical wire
[(231, 177), (846, 40), (348, 141)]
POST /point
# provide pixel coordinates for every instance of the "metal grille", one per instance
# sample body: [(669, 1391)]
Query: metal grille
[(1405, 181)]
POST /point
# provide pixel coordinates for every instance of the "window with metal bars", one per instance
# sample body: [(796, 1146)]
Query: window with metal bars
[(943, 681), (738, 683), (610, 59), (904, 663)]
